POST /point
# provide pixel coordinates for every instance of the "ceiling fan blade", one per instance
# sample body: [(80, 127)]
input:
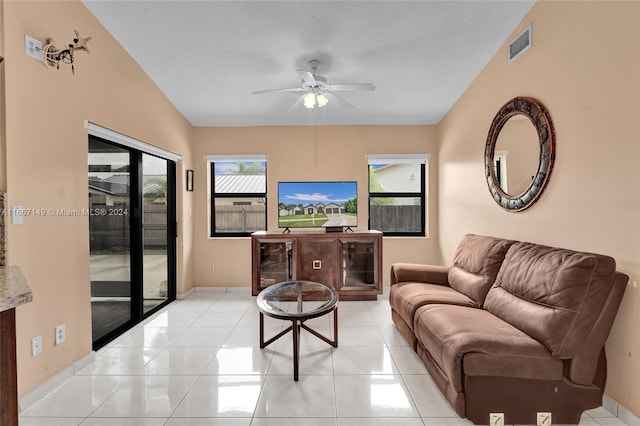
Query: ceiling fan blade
[(333, 96), (308, 77), (292, 89), (351, 87)]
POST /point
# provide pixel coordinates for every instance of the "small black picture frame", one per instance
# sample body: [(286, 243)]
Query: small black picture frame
[(189, 180)]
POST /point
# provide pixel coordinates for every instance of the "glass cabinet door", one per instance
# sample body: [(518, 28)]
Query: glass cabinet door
[(275, 263), (358, 264)]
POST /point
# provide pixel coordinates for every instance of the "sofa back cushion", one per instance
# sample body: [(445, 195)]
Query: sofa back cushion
[(476, 264), (554, 295)]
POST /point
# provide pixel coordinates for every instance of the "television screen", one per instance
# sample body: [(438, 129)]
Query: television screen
[(317, 204)]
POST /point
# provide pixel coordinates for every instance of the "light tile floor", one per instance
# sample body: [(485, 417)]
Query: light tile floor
[(198, 362)]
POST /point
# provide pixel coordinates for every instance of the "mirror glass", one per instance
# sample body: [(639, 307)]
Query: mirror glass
[(517, 155)]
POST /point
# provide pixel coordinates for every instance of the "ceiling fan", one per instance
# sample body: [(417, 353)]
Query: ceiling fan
[(317, 91)]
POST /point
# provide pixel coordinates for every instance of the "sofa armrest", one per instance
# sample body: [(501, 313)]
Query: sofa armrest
[(413, 272), (585, 364)]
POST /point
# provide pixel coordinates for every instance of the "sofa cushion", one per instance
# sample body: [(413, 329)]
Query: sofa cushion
[(554, 295), (476, 264), (477, 343), (406, 298)]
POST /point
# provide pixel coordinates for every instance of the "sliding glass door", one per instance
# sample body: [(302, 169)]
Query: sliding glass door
[(132, 236), (109, 237), (155, 277)]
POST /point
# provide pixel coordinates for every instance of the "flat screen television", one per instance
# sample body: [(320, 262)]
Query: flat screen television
[(317, 204)]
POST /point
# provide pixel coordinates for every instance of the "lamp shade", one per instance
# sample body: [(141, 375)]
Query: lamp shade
[(322, 100), (310, 100)]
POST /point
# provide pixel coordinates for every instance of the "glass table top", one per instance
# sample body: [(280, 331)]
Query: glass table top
[(297, 299)]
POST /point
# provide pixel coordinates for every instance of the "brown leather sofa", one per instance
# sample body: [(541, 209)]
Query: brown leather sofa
[(511, 327)]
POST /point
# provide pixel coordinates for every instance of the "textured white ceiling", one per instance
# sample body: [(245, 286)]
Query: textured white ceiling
[(208, 56)]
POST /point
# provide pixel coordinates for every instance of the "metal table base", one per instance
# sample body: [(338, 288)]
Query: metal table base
[(296, 325)]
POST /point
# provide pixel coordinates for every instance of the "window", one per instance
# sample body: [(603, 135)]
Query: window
[(397, 194), (238, 195)]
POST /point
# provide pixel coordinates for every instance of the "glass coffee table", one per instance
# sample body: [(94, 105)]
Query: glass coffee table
[(298, 301)]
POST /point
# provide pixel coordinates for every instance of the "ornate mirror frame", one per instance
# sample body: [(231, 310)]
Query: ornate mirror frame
[(541, 120)]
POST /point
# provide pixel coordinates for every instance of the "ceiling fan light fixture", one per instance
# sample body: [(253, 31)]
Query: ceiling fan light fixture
[(313, 88), (310, 100), (322, 100)]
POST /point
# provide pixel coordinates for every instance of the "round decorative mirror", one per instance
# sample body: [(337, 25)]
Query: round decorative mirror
[(519, 153)]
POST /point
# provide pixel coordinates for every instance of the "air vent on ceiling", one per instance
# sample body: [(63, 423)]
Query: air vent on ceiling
[(519, 44)]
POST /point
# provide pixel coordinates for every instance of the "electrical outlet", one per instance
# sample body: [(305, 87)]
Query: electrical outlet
[(212, 268), (496, 419), (543, 419), (33, 47), (36, 346), (60, 334), (17, 213)]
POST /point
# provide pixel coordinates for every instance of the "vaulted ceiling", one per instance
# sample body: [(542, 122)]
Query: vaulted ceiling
[(208, 56)]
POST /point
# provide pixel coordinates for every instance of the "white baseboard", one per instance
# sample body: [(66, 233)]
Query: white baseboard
[(610, 405), (83, 362), (54, 381), (236, 290), (181, 296), (210, 289), (620, 412), (628, 417)]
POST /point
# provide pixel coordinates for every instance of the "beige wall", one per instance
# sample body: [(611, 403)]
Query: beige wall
[(306, 153), (46, 143), (2, 104), (584, 66)]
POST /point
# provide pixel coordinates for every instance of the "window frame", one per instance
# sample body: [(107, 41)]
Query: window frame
[(213, 196), (399, 159)]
